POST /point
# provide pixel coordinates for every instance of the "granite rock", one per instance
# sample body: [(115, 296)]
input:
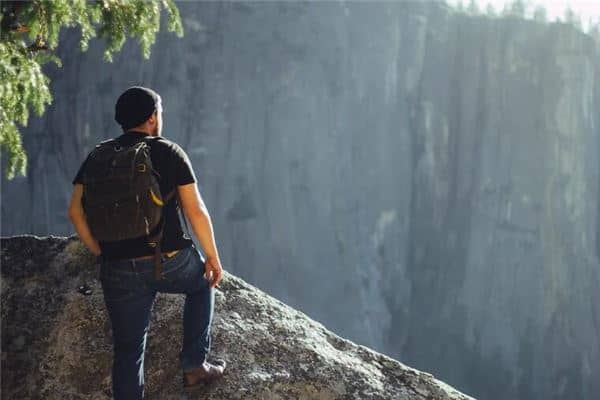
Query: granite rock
[(56, 342)]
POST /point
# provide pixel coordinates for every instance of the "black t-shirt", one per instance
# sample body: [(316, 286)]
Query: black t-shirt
[(174, 168)]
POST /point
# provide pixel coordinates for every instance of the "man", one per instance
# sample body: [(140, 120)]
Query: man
[(126, 266)]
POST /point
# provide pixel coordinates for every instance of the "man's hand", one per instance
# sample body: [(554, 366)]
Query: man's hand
[(213, 271), (77, 217)]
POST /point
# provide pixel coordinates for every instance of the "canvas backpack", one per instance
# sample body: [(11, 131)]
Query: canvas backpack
[(121, 194)]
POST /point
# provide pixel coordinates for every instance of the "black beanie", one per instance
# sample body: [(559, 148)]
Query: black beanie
[(135, 105)]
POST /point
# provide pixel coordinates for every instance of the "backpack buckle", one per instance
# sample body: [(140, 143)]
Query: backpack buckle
[(141, 167)]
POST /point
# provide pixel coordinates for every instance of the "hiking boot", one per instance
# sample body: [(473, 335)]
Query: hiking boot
[(204, 375)]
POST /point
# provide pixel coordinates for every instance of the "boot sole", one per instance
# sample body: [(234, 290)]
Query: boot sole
[(203, 384)]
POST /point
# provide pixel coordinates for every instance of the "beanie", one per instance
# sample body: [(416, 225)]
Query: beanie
[(135, 105)]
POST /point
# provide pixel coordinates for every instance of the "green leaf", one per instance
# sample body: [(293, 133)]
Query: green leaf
[(24, 86)]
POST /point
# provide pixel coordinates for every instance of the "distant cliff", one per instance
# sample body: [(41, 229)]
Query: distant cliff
[(56, 342), (422, 182)]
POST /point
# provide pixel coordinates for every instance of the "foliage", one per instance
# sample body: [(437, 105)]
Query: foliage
[(489, 10), (572, 18), (29, 34), (540, 14), (515, 9), (473, 8), (526, 9)]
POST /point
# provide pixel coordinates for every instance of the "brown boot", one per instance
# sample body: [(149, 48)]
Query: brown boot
[(204, 375)]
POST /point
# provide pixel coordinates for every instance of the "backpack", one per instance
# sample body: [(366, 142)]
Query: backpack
[(121, 194)]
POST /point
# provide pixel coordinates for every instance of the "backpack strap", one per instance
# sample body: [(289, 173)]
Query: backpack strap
[(154, 241), (107, 141)]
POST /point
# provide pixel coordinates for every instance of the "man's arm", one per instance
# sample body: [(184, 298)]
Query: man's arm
[(77, 217), (196, 212)]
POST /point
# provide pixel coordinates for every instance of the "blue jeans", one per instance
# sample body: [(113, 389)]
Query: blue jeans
[(129, 289)]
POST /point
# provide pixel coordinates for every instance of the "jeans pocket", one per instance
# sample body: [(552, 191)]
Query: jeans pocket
[(173, 259), (117, 288), (117, 294), (118, 285), (175, 266)]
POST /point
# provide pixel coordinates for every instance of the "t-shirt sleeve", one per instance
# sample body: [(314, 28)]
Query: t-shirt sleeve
[(79, 176), (184, 172)]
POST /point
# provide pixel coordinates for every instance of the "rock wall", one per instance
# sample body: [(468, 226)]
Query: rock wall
[(422, 182), (56, 342)]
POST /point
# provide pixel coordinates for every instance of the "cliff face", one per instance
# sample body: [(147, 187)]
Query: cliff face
[(424, 183), (56, 342), (503, 219)]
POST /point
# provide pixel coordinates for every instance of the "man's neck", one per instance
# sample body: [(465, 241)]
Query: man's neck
[(138, 131)]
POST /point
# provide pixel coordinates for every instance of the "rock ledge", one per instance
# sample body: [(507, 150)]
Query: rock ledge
[(56, 342)]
